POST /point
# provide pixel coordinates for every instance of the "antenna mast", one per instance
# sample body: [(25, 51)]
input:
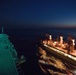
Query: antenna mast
[(2, 31)]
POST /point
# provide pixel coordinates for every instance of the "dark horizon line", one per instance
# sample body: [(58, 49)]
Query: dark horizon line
[(57, 27), (37, 26)]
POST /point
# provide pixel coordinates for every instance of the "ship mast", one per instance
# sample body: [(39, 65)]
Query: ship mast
[(2, 31)]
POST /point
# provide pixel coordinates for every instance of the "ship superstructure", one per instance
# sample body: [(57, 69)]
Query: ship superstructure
[(67, 49), (8, 56), (57, 54)]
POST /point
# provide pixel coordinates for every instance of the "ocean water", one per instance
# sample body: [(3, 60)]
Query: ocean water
[(25, 41)]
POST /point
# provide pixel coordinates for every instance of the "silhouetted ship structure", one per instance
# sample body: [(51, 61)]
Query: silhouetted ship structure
[(57, 57), (10, 64)]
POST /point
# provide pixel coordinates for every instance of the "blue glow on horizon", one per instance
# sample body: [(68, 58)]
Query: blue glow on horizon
[(38, 12)]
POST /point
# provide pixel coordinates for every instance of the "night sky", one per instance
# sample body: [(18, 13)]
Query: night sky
[(38, 13)]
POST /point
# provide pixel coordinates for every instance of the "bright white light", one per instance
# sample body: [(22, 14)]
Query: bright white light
[(50, 37), (73, 41)]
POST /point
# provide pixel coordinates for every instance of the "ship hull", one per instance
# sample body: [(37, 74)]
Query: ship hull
[(66, 61), (53, 51)]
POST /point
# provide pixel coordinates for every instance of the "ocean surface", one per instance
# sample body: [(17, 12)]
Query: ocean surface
[(26, 39)]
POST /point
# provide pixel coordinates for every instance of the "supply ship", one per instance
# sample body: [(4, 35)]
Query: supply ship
[(57, 57), (10, 64)]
